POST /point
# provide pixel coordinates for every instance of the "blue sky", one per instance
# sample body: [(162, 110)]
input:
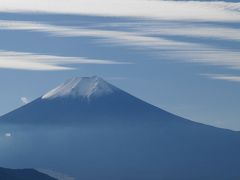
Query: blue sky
[(181, 56)]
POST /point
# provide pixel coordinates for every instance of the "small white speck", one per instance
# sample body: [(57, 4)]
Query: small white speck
[(8, 134)]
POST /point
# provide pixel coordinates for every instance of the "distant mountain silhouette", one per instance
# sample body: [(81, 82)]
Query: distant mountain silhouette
[(22, 174)]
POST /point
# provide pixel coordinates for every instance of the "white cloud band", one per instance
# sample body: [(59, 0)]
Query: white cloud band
[(224, 77), (191, 52), (31, 61), (168, 10), (111, 36)]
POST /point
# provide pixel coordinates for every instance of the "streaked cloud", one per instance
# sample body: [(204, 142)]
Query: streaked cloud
[(225, 77), (158, 9), (40, 62), (142, 34), (8, 135), (212, 56), (187, 30), (24, 100), (110, 36), (194, 52)]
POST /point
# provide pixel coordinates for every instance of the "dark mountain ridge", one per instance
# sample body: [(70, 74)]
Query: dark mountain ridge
[(23, 174)]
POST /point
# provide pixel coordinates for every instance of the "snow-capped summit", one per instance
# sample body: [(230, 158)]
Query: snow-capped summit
[(84, 87)]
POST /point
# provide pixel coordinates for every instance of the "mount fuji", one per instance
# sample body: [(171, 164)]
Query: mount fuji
[(88, 100), (89, 129)]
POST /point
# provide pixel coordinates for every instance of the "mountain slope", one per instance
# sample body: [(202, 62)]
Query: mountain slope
[(89, 129)]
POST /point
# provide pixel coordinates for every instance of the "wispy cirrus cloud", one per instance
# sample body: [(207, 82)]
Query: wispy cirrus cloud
[(24, 100), (167, 10), (111, 36), (210, 31), (225, 77), (40, 62), (212, 56), (143, 34), (193, 52)]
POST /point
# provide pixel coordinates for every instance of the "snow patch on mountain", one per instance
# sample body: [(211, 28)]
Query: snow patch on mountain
[(84, 87)]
